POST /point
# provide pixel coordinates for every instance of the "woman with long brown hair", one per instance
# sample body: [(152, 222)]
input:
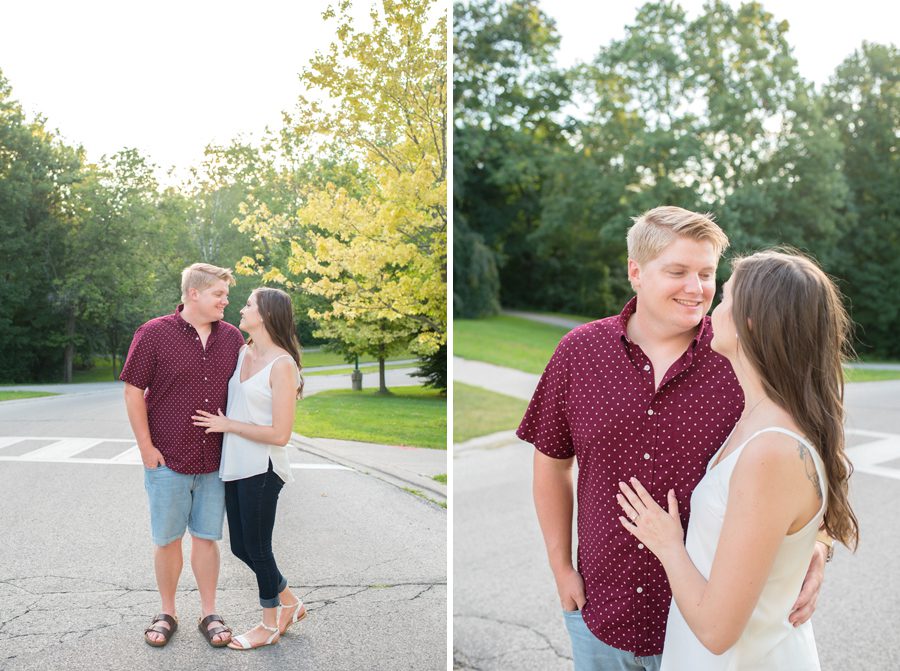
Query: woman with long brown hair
[(262, 394), (780, 476)]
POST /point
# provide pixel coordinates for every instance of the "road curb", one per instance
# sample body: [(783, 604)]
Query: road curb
[(490, 441), (402, 481)]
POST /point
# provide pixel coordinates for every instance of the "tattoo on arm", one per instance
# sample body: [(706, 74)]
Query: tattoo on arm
[(810, 467)]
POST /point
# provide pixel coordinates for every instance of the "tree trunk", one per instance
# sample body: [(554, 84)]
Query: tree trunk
[(382, 387), (113, 340), (69, 354)]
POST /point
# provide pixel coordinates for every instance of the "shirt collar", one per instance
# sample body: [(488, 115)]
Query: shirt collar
[(187, 326), (631, 307), (624, 316)]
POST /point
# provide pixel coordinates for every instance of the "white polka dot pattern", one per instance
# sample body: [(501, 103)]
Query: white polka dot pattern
[(596, 401), (167, 358)]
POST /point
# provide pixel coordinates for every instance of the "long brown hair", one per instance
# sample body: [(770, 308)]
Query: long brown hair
[(793, 327), (277, 314)]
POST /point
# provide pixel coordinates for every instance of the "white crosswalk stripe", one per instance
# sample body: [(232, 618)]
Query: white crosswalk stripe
[(878, 456), (65, 450), (9, 440)]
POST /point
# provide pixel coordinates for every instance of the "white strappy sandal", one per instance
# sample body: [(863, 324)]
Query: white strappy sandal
[(298, 614), (242, 643)]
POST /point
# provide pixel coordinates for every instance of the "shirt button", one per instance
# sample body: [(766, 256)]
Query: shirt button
[(646, 455), (206, 400), (640, 546), (646, 366), (650, 411), (640, 590)]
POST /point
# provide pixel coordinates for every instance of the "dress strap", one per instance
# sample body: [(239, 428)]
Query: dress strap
[(281, 356)]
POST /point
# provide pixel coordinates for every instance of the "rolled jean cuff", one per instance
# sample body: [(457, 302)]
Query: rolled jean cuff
[(275, 601), (270, 603)]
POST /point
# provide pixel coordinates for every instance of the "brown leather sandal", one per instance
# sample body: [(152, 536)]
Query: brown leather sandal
[(166, 633), (209, 634)]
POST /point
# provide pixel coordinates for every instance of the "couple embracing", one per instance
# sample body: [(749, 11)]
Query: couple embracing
[(181, 372), (730, 426)]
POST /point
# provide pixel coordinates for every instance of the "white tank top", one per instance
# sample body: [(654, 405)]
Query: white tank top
[(769, 642), (251, 401)]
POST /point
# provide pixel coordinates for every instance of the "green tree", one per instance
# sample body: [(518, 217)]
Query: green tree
[(710, 114), (36, 172), (103, 270), (863, 98), (373, 248), (507, 92)]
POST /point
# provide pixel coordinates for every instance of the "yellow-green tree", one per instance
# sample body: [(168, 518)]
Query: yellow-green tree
[(376, 250)]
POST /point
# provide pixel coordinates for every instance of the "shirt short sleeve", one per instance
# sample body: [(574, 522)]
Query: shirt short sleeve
[(545, 424), (140, 364)]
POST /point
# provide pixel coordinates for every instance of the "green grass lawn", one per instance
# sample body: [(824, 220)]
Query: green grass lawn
[(101, 371), (507, 341), (414, 416), (478, 412), (13, 395), (867, 358), (864, 375)]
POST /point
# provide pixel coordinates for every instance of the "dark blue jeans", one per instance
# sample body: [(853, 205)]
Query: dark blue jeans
[(250, 504)]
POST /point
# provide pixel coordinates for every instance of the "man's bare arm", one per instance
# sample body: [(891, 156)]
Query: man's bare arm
[(554, 502), (136, 407), (805, 605)]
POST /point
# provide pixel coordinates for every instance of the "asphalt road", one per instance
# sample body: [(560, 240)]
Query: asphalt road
[(76, 572), (506, 613)]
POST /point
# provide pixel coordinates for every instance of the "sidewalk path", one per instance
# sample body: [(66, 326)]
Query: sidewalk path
[(544, 319), (362, 364), (874, 366), (403, 467), (498, 379)]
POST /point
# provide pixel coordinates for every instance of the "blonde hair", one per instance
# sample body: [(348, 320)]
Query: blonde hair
[(656, 229), (201, 276)]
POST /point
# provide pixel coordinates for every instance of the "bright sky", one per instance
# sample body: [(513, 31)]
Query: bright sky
[(170, 77), (167, 77), (822, 32)]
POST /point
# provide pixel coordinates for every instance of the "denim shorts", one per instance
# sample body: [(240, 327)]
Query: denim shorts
[(179, 502), (592, 654)]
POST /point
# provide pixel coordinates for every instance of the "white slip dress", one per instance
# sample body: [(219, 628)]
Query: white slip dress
[(251, 401), (769, 642)]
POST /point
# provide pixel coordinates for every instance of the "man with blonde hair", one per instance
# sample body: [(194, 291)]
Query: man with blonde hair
[(643, 395), (176, 365)]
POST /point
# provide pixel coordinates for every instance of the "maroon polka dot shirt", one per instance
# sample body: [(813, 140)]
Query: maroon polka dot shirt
[(167, 358), (596, 401)]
